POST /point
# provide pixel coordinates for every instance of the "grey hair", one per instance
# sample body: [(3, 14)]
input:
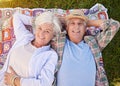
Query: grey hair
[(68, 21), (50, 18)]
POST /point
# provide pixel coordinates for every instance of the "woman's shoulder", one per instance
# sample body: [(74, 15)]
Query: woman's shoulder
[(52, 51)]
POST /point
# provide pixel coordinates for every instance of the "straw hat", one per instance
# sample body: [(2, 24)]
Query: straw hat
[(77, 14)]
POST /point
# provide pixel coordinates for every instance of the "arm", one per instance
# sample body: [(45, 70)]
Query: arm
[(45, 77), (19, 22), (109, 29), (96, 23)]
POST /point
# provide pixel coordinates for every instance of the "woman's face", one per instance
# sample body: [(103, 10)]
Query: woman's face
[(76, 29), (44, 33)]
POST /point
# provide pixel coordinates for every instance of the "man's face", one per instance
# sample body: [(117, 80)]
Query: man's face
[(44, 33), (76, 29)]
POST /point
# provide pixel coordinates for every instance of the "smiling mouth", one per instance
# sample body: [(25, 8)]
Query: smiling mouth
[(76, 31)]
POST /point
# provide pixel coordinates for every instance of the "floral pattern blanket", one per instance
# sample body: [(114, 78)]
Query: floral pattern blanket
[(7, 37)]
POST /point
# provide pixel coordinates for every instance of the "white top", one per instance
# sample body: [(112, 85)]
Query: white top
[(17, 56), (41, 64)]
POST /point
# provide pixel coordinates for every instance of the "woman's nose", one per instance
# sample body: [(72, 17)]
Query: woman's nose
[(41, 34)]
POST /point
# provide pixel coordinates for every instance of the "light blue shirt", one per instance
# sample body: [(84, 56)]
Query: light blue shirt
[(43, 61), (78, 66)]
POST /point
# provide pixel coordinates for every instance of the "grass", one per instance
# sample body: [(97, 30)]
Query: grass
[(111, 53)]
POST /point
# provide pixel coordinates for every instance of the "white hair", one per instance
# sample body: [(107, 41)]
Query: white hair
[(68, 21), (50, 18)]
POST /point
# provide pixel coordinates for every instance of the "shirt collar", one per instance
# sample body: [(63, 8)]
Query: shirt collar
[(43, 48), (81, 44)]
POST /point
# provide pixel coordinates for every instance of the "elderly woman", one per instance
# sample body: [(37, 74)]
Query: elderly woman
[(31, 61), (81, 56)]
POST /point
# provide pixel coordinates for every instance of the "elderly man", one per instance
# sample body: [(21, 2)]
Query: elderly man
[(80, 55)]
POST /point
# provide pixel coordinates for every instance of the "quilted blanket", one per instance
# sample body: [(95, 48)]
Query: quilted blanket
[(7, 36)]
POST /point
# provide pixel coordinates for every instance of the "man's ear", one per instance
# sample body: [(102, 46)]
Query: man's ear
[(67, 28)]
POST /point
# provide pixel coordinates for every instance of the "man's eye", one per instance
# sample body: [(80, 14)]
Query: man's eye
[(47, 31), (80, 23)]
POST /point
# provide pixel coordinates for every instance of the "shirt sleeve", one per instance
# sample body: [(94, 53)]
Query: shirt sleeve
[(58, 45), (110, 28), (46, 76), (19, 22)]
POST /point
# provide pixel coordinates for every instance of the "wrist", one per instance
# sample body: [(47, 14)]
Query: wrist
[(17, 81)]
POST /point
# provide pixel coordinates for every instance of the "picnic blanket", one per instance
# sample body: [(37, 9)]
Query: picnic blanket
[(7, 37)]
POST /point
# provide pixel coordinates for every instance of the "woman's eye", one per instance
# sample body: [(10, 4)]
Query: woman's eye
[(72, 23), (40, 29)]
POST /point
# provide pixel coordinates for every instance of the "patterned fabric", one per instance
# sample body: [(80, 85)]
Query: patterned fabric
[(97, 41), (7, 36)]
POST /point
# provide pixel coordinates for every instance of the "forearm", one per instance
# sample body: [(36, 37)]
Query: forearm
[(96, 23), (19, 22), (22, 18), (110, 27)]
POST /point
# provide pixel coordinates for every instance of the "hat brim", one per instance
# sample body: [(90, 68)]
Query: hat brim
[(79, 17)]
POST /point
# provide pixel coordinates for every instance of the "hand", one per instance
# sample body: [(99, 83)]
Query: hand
[(8, 76)]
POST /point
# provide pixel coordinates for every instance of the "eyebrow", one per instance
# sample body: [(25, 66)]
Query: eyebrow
[(49, 29)]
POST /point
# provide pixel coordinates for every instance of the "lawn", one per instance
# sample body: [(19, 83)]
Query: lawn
[(111, 53)]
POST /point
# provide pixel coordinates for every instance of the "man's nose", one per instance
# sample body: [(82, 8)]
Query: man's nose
[(76, 27)]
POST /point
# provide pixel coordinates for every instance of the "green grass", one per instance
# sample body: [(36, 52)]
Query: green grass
[(111, 53)]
